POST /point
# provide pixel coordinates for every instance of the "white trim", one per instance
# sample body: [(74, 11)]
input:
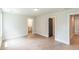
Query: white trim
[(71, 13), (62, 41), (14, 37), (41, 34), (74, 13)]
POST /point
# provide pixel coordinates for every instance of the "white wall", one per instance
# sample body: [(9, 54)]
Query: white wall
[(62, 24), (0, 23), (77, 25), (14, 25), (0, 27), (42, 25)]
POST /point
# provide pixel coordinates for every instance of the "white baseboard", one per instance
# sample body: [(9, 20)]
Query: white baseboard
[(14, 37), (41, 34), (62, 41)]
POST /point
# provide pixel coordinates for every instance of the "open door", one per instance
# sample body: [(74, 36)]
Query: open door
[(50, 22)]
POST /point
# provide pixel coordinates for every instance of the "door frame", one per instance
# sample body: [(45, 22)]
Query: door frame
[(76, 13), (54, 25)]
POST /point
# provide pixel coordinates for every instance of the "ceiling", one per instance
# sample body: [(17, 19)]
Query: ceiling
[(31, 12)]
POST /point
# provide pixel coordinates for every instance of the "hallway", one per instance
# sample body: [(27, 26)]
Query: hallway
[(35, 42)]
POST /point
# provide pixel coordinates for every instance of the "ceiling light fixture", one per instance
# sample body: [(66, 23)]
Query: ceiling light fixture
[(36, 9)]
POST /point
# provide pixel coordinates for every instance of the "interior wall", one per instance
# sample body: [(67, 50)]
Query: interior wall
[(0, 27), (0, 23), (62, 25), (72, 26), (14, 25), (77, 24), (41, 25)]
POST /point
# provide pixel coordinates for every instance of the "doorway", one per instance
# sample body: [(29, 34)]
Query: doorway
[(51, 24), (74, 29), (30, 26)]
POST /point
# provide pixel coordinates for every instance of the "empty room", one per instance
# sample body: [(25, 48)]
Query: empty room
[(39, 28)]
